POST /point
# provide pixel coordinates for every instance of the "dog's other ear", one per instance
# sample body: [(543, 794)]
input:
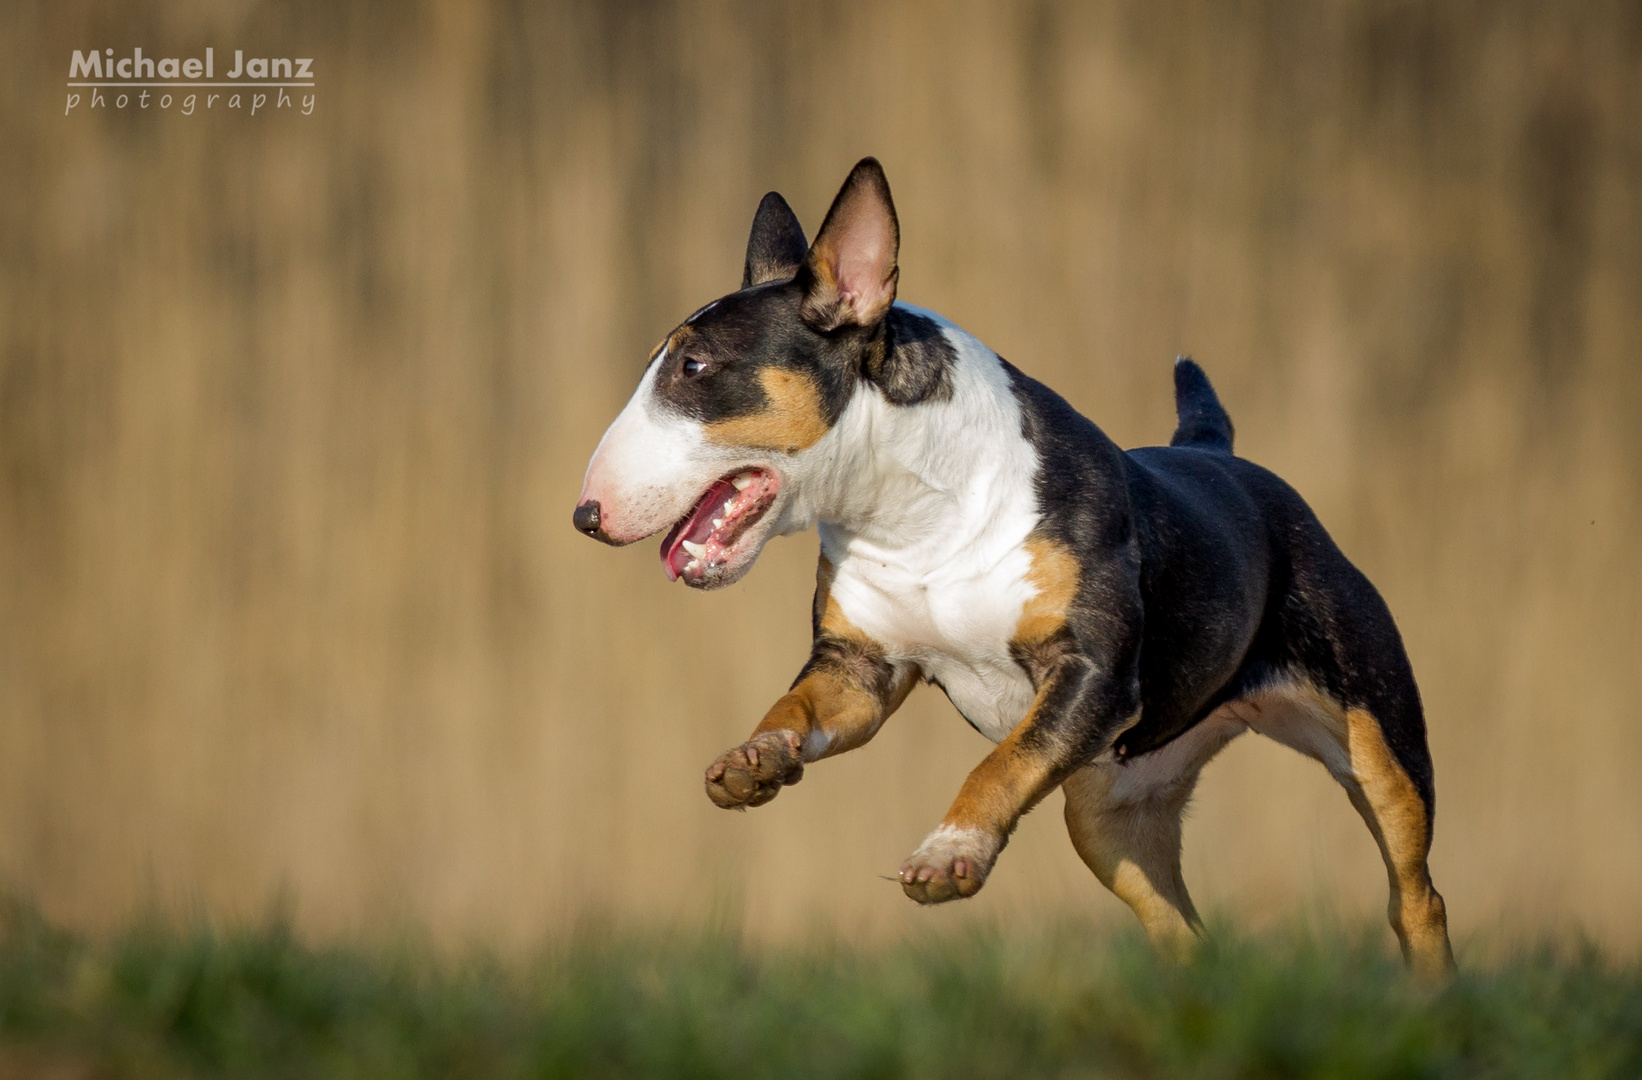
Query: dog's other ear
[(776, 246), (849, 274)]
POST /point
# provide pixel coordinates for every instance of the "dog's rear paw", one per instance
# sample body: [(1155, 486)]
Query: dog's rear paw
[(949, 864), (754, 772)]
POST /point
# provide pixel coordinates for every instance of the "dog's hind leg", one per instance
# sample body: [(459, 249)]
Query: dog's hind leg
[(1353, 744), (1134, 849), (1125, 822), (1333, 680), (1400, 820)]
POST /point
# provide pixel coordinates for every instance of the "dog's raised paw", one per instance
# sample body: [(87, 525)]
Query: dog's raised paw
[(951, 863), (753, 773)]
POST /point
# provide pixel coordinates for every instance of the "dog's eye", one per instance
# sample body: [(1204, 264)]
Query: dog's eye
[(692, 367)]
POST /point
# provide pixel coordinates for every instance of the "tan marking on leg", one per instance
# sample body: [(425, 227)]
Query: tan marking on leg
[(1350, 743), (839, 703), (1135, 852), (846, 697), (847, 644), (1128, 830), (1386, 798), (840, 708), (1303, 718), (1011, 779), (826, 713), (790, 422), (1007, 782)]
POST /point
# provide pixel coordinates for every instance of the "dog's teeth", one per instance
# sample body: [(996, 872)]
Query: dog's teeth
[(727, 504), (742, 481), (697, 550), (718, 523)]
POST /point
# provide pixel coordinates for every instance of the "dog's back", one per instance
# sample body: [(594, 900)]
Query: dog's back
[(1233, 554)]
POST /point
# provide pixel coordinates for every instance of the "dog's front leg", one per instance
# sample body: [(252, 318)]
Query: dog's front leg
[(842, 697), (1080, 708)]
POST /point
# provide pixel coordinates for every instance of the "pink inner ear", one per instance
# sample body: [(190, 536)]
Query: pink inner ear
[(861, 273), (865, 260)]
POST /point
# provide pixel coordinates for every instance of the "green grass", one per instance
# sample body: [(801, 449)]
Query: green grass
[(1066, 1002)]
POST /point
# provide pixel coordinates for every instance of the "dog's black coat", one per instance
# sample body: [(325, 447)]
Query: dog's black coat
[(1205, 578)]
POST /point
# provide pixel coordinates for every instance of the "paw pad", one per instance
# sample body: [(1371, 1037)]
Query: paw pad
[(753, 773), (949, 864)]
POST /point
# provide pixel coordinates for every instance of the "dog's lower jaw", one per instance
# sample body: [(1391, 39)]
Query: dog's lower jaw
[(741, 555), (952, 863), (719, 539)]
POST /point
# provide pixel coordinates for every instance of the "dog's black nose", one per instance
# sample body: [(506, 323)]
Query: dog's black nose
[(587, 518)]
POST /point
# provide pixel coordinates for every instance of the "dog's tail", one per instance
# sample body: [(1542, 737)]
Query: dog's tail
[(1203, 421)]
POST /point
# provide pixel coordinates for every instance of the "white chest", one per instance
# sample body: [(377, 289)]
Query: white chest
[(954, 620), (947, 489)]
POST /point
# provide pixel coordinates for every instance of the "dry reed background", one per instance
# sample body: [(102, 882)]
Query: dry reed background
[(293, 411)]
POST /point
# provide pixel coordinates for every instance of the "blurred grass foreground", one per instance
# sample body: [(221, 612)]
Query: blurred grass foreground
[(159, 1001)]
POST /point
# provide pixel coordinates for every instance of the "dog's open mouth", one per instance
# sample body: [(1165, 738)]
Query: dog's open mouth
[(699, 545)]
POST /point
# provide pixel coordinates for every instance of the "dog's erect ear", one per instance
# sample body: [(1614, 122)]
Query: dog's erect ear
[(849, 274), (776, 247)]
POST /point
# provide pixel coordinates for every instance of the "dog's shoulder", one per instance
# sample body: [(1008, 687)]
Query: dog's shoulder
[(1080, 486)]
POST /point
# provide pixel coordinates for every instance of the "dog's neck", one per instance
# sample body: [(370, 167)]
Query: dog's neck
[(924, 481)]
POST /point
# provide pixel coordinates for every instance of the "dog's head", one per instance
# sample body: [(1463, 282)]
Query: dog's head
[(718, 438)]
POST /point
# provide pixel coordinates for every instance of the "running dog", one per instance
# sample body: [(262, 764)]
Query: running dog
[(1109, 619)]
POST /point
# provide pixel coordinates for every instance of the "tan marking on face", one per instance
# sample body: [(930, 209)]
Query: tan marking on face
[(790, 422), (681, 339), (1055, 575)]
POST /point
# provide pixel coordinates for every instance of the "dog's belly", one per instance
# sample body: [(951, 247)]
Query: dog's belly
[(955, 627)]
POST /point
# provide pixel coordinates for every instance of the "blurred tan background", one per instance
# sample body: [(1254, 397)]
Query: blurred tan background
[(293, 412)]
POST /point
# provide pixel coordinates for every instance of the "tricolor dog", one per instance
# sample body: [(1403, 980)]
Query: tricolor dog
[(1109, 619)]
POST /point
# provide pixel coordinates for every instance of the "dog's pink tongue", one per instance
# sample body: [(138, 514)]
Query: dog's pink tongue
[(695, 528)]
